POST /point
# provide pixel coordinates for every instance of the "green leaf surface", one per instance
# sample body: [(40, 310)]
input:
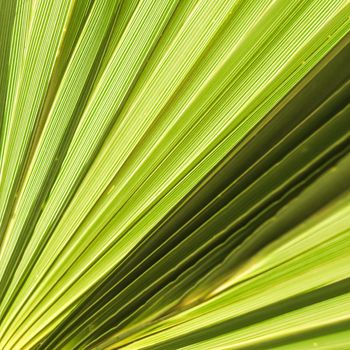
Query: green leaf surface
[(174, 174)]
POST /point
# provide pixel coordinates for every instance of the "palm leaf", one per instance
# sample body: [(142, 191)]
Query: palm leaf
[(174, 174)]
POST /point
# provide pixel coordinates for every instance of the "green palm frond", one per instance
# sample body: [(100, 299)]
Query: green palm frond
[(174, 174)]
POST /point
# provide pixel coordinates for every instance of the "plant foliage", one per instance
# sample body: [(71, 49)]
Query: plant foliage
[(174, 174)]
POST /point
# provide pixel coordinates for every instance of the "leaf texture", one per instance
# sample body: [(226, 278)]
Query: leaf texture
[(174, 174)]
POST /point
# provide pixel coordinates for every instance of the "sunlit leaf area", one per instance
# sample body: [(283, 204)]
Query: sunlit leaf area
[(174, 174)]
